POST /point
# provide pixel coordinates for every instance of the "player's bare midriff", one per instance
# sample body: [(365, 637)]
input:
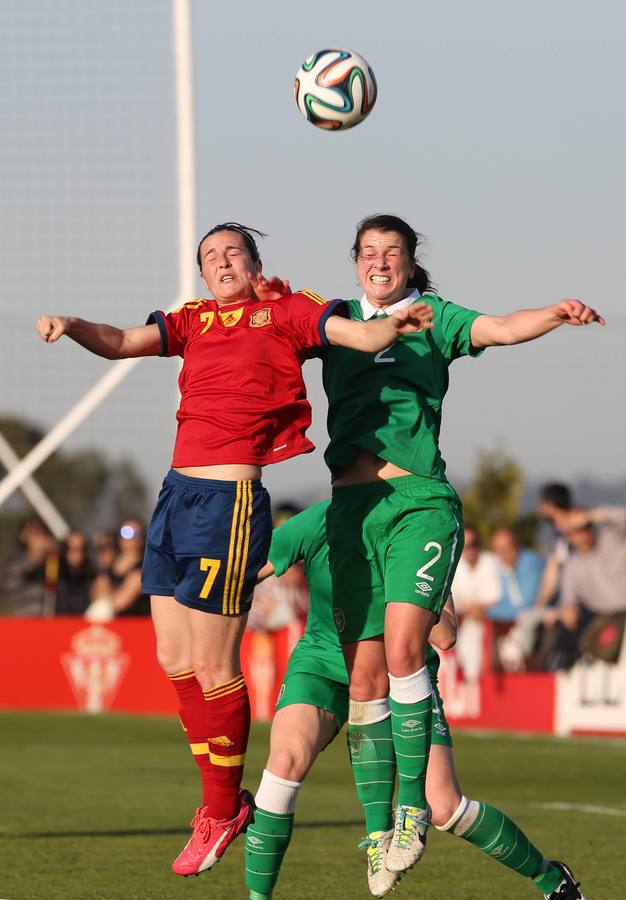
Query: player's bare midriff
[(367, 467), (222, 473)]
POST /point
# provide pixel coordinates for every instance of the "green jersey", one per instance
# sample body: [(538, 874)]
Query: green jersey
[(303, 538), (389, 403)]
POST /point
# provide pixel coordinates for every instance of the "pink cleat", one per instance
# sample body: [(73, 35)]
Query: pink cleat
[(211, 837)]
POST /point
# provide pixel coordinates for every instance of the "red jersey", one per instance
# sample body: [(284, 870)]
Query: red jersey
[(243, 399)]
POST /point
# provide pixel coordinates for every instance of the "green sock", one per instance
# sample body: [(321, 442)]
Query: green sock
[(373, 764), (411, 728), (267, 839), (496, 835)]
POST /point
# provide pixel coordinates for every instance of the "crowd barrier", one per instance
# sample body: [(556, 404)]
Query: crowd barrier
[(67, 664)]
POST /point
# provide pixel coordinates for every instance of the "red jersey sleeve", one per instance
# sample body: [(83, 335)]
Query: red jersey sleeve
[(173, 329), (307, 316)]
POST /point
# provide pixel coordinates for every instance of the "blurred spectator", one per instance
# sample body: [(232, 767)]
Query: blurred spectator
[(520, 572), (31, 576), (525, 645), (279, 602), (554, 499), (76, 575), (118, 591), (593, 587), (105, 550), (476, 587)]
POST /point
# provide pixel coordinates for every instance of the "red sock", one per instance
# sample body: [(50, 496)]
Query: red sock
[(192, 710), (228, 708)]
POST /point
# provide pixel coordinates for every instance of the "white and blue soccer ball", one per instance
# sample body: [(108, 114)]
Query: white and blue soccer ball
[(335, 89)]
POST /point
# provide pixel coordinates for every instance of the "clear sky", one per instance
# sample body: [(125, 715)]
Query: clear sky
[(499, 133)]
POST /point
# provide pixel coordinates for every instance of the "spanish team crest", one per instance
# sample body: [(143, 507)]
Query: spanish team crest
[(231, 317), (261, 317)]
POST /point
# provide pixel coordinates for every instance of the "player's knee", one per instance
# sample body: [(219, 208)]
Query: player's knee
[(212, 672), (172, 659), (290, 761), (368, 684), (443, 808), (404, 657)]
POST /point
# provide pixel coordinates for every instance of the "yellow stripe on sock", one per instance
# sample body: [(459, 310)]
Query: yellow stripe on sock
[(199, 749), (229, 688), (182, 676), (238, 679), (228, 761), (225, 684), (232, 690), (231, 547)]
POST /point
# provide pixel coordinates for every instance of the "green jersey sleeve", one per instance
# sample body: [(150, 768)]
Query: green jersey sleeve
[(298, 538), (456, 324)]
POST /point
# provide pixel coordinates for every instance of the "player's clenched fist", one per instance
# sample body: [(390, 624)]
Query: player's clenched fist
[(413, 318), (574, 312), (50, 328)]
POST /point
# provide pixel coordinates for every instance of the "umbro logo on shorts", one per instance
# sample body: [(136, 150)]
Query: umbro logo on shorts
[(422, 587)]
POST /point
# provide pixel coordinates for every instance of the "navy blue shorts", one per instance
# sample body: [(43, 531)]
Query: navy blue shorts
[(206, 542)]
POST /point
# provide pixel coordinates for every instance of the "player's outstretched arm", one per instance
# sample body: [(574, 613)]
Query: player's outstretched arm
[(378, 334), (103, 340), (528, 324)]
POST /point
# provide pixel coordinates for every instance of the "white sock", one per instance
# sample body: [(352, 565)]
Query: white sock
[(462, 818), (368, 711), (277, 795), (410, 688)]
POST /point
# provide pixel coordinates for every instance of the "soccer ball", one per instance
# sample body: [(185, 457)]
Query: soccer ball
[(335, 89)]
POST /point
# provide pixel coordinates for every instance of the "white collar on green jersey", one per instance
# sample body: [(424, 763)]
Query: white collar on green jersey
[(370, 311)]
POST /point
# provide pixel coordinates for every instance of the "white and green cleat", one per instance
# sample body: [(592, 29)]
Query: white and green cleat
[(379, 878), (409, 838)]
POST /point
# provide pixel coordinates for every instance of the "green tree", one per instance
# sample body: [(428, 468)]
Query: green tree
[(492, 499)]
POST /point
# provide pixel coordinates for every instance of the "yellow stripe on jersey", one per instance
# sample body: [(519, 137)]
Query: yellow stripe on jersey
[(200, 749), (190, 304), (231, 547), (218, 760), (313, 296), (246, 545)]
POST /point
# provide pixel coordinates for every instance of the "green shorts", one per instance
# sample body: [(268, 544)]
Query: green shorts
[(391, 541), (440, 730), (315, 690)]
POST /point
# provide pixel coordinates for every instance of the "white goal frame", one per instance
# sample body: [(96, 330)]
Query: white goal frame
[(20, 471)]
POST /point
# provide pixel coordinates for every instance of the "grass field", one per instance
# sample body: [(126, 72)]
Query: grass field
[(98, 808)]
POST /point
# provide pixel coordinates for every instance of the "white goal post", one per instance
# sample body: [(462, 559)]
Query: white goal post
[(19, 471)]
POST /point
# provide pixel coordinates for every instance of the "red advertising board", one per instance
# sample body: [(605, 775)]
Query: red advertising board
[(74, 665), (68, 664)]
